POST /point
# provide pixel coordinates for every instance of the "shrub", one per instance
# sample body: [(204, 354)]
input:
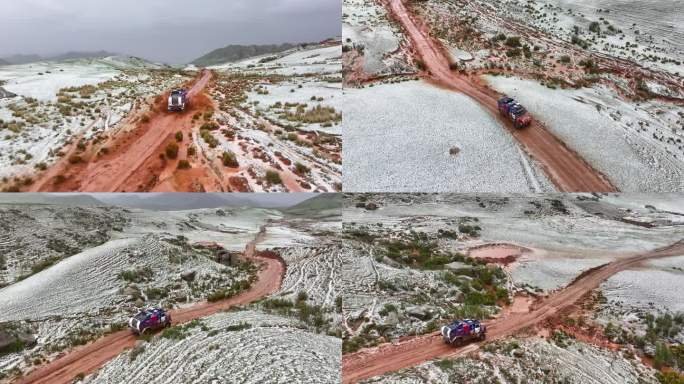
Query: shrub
[(145, 119), (515, 52), (191, 151), (230, 160), (565, 59), (172, 150), (183, 164), (238, 327), (179, 136), (75, 159), (209, 138), (273, 177), (513, 41), (595, 27), (137, 275), (301, 168)]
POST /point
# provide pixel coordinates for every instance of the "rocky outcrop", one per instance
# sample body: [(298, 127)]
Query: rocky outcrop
[(14, 338), (5, 94)]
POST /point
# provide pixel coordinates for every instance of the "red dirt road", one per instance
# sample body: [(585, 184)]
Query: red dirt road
[(564, 167), (89, 358), (392, 357), (128, 166)]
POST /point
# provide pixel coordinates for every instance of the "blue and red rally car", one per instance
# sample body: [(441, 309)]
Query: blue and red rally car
[(149, 320), (462, 331)]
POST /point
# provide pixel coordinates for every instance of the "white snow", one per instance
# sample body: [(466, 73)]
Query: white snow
[(609, 139), (392, 145)]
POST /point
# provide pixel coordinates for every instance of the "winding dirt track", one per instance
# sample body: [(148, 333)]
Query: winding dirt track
[(564, 167), (129, 165), (392, 357), (89, 358)]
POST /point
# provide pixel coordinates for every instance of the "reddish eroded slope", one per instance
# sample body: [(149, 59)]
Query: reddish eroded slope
[(564, 167), (392, 357)]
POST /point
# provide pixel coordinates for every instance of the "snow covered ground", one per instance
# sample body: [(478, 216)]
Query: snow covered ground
[(220, 354), (391, 144), (655, 26), (530, 361), (634, 145), (59, 102), (136, 258), (281, 110), (563, 244), (365, 29)]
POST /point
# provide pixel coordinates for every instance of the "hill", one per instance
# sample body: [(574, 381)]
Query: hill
[(25, 59), (234, 53), (80, 200), (189, 201), (318, 204)]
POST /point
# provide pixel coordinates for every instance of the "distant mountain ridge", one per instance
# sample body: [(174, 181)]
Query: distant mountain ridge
[(232, 53), (25, 59), (189, 201)]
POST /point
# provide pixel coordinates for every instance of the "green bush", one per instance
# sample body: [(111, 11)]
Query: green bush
[(273, 177), (513, 41), (172, 150), (230, 160), (137, 275), (301, 168)]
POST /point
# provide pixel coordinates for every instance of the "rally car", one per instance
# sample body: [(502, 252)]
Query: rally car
[(461, 332), (148, 320)]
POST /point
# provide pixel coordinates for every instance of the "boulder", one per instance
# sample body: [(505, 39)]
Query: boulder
[(419, 312), (229, 258), (459, 267), (371, 206), (132, 292), (15, 339), (188, 275), (5, 94)]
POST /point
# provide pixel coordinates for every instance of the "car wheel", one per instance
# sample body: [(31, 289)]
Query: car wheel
[(143, 331)]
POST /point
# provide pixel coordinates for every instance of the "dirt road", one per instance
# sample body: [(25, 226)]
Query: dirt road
[(89, 358), (392, 357), (564, 167), (131, 161)]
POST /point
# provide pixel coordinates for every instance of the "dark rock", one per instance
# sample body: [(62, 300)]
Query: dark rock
[(5, 94), (371, 206), (188, 276)]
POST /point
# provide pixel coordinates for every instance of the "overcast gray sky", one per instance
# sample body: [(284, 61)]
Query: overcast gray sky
[(172, 31)]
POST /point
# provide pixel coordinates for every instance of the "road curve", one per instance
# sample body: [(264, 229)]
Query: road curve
[(564, 167), (88, 358), (392, 357)]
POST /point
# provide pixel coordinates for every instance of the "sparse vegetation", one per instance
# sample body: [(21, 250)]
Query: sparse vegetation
[(171, 150), (273, 177), (229, 159)]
